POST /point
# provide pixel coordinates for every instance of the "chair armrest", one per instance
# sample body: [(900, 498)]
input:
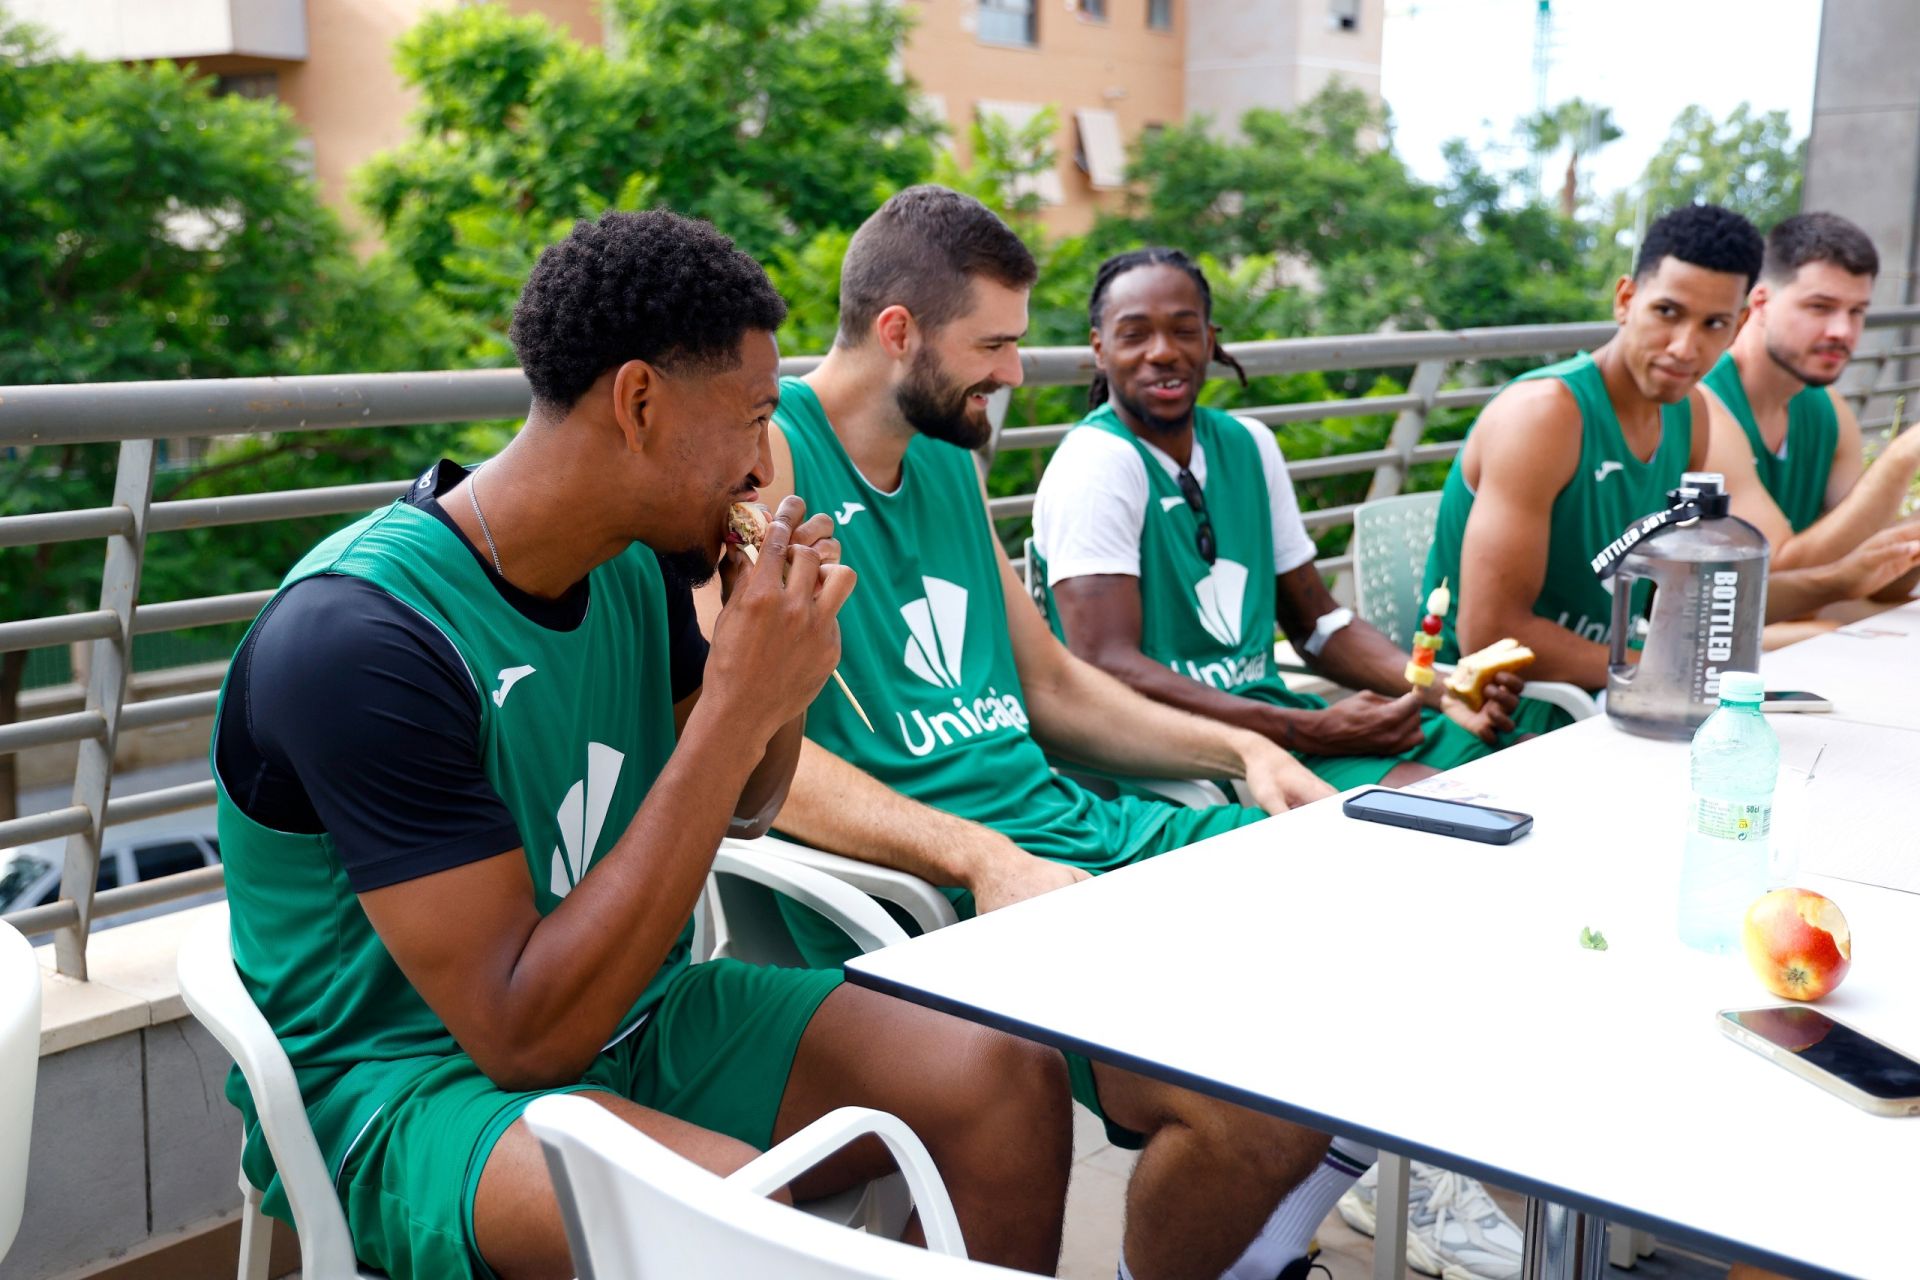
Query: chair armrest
[(807, 1148), (924, 904), (851, 911), (1570, 698)]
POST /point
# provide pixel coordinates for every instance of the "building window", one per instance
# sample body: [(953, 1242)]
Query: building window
[(1160, 15), (1344, 15), (250, 84), (1094, 10), (1009, 22)]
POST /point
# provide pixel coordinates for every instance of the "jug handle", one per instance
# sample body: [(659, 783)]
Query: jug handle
[(1617, 665)]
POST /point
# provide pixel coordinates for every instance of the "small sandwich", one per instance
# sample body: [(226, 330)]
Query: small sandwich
[(1469, 679), (747, 529)]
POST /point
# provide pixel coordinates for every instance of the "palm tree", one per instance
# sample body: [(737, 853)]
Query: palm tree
[(1580, 126)]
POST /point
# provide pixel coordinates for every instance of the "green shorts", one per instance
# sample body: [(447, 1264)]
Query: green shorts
[(715, 1052)]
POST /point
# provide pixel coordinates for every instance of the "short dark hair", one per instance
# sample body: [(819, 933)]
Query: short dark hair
[(648, 286), (1706, 236), (1819, 237), (921, 250)]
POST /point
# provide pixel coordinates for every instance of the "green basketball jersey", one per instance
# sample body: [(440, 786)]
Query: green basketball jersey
[(1213, 623), (1797, 475), (572, 753), (925, 647), (1610, 489)]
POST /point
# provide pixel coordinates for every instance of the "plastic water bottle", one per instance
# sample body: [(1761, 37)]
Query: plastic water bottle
[(1736, 760)]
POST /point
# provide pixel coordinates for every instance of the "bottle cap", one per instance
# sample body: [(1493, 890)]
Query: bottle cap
[(1741, 686)]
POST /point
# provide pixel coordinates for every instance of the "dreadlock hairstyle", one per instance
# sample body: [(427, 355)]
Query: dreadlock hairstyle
[(1153, 256)]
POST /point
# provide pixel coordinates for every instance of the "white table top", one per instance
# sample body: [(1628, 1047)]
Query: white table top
[(1431, 994), (1870, 669)]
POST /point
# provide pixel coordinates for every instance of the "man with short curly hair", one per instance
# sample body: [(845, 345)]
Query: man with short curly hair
[(475, 757), (1566, 457)]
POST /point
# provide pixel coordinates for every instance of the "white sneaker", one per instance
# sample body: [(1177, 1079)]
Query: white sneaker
[(1454, 1229)]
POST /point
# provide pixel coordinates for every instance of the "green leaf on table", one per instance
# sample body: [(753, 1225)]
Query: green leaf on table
[(1593, 940)]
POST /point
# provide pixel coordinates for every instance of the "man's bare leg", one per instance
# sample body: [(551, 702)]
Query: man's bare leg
[(994, 1111), (1210, 1176), (516, 1218)]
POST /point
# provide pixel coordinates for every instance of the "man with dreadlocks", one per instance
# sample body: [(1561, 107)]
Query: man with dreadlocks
[(1167, 544)]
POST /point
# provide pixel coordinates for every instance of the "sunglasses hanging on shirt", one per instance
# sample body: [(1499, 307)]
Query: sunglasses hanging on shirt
[(1203, 532)]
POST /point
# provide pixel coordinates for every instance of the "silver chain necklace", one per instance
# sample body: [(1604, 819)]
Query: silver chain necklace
[(473, 495)]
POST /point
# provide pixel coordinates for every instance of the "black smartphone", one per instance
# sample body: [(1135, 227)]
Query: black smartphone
[(1793, 700), (1872, 1076), (1442, 817)]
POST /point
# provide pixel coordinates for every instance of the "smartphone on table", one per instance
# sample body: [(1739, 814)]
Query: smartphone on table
[(1441, 817), (1793, 700), (1872, 1076)]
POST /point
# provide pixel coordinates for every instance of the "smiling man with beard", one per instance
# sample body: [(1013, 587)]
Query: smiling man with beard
[(968, 690), (1788, 443)]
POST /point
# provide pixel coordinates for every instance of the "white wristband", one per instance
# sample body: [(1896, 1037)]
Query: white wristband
[(1324, 628)]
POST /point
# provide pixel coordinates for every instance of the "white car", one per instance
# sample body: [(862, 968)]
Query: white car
[(130, 852)]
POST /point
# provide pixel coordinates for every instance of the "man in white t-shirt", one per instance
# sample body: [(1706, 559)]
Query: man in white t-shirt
[(1168, 543)]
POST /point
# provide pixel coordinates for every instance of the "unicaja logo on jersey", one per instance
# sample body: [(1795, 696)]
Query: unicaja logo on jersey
[(1219, 596), (581, 816), (936, 644), (1217, 600), (937, 632)]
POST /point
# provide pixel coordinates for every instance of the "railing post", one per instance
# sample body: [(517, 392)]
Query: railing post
[(1388, 477), (111, 660)]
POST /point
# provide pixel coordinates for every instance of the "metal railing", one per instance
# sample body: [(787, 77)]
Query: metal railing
[(137, 414)]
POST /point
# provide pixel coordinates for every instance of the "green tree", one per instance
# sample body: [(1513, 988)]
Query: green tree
[(1578, 125), (777, 120), (149, 229), (1749, 163)]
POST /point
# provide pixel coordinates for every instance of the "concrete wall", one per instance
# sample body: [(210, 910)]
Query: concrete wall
[(1117, 64), (133, 1140), (1277, 53), (1863, 160)]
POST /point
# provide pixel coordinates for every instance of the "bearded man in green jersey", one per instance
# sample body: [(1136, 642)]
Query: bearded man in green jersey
[(967, 688), (1565, 457), (474, 761), (1786, 440)]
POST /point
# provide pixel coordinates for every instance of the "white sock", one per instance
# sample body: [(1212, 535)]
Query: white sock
[(1291, 1228)]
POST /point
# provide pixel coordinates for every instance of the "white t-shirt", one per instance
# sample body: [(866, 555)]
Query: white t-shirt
[(1092, 504)]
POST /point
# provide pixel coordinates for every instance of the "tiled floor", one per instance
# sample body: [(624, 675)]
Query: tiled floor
[(1096, 1206)]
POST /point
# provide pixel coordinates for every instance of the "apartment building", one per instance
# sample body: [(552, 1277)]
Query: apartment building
[(1109, 69)]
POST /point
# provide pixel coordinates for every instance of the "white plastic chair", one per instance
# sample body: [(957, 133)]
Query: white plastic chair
[(212, 990), (19, 1072), (634, 1209), (1391, 538)]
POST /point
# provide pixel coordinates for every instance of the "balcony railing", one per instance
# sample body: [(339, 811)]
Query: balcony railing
[(138, 414)]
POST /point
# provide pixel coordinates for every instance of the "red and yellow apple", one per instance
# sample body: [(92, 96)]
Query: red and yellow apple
[(1798, 943)]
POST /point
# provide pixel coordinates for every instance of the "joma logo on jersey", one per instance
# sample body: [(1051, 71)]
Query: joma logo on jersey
[(936, 643), (581, 816)]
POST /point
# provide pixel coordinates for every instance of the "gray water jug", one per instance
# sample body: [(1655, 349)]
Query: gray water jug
[(1706, 573)]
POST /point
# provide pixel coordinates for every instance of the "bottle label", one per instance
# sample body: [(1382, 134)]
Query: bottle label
[(1721, 820)]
